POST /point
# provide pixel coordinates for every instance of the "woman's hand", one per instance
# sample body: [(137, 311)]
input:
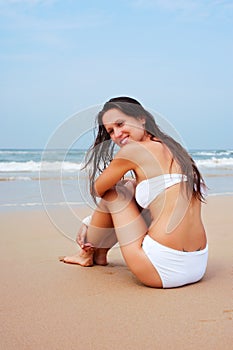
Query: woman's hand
[(81, 238), (128, 180), (129, 184)]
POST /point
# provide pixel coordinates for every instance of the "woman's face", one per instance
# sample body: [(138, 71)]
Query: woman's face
[(122, 128)]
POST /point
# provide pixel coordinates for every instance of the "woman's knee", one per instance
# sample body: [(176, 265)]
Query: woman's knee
[(110, 195), (117, 197)]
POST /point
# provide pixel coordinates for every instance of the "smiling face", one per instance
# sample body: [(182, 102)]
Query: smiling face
[(123, 128)]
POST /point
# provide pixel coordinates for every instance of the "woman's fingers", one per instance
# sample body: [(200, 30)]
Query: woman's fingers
[(81, 235)]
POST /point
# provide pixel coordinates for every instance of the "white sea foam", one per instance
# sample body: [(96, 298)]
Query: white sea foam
[(19, 178), (212, 153), (38, 204), (19, 151), (213, 162), (31, 166), (220, 194)]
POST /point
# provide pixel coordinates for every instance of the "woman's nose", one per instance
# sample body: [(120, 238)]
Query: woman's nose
[(117, 132)]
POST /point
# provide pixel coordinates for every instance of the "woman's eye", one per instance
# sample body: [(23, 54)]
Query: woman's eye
[(110, 131), (119, 124)]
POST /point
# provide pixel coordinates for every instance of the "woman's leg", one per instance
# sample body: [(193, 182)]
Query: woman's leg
[(130, 229), (101, 235), (121, 212)]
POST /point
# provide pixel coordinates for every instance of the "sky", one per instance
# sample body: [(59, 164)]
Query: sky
[(60, 57)]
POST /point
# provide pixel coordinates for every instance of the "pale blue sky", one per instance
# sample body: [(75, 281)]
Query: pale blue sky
[(59, 57)]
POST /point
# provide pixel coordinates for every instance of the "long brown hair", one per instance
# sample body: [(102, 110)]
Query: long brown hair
[(101, 152)]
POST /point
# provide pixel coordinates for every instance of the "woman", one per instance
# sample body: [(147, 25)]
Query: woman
[(155, 217)]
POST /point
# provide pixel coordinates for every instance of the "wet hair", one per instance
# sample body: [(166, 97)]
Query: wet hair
[(101, 152)]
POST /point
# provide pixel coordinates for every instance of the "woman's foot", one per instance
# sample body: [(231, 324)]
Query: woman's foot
[(83, 258), (87, 257), (100, 256)]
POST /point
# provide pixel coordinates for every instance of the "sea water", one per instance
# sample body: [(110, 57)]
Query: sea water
[(31, 178)]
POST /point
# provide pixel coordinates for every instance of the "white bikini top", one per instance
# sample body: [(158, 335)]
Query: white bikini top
[(147, 190)]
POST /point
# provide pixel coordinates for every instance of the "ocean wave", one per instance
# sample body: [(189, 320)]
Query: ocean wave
[(20, 151), (31, 166), (18, 178), (71, 167), (39, 204), (53, 176), (220, 194), (211, 153), (213, 162)]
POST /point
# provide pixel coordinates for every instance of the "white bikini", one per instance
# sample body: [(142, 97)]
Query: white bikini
[(148, 190), (176, 268)]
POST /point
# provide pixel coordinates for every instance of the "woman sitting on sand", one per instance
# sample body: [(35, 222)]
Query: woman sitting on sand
[(156, 217)]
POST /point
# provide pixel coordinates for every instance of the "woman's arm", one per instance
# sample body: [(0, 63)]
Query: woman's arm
[(119, 166), (112, 175)]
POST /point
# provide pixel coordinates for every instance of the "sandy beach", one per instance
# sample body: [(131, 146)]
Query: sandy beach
[(46, 304)]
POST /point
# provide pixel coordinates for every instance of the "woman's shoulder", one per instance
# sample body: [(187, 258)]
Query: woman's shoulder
[(132, 149), (141, 153)]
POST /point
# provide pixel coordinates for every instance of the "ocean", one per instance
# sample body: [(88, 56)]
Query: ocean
[(30, 178)]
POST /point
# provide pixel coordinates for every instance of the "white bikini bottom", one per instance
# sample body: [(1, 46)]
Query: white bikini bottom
[(175, 268)]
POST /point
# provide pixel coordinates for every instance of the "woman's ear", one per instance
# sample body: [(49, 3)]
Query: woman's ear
[(143, 120)]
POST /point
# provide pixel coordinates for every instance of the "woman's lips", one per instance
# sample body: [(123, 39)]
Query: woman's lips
[(124, 141)]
